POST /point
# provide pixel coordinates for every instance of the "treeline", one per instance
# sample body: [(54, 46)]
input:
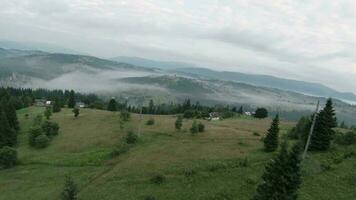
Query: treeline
[(187, 108), (24, 97)]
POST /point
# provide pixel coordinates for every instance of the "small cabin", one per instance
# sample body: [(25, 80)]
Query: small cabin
[(214, 116), (40, 102)]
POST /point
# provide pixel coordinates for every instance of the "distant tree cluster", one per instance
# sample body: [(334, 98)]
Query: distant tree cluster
[(261, 113)]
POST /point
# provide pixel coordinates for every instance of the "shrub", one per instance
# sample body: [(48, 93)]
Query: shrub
[(179, 122), (70, 190), (256, 134), (131, 138), (150, 122), (48, 113), (125, 115), (243, 163), (158, 179), (41, 141), (76, 112), (201, 127), (34, 132), (50, 128), (346, 139), (120, 149), (8, 157), (194, 129)]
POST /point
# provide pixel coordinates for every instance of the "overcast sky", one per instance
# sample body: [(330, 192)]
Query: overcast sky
[(312, 40)]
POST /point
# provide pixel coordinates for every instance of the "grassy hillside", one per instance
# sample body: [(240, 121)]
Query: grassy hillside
[(205, 166)]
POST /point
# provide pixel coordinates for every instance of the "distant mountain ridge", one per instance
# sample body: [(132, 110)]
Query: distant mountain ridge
[(165, 65), (309, 88)]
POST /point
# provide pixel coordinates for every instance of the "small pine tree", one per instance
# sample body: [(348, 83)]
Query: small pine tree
[(125, 115), (201, 127), (322, 135), (48, 113), (282, 176), (70, 190), (179, 122), (271, 139), (71, 99), (121, 123), (112, 106), (151, 107), (76, 112), (194, 129)]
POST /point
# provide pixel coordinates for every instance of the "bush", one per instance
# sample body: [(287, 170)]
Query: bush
[(50, 128), (256, 134), (34, 132), (227, 114), (201, 127), (70, 190), (179, 122), (41, 141), (158, 179), (150, 122), (120, 149), (194, 129), (8, 157), (131, 138), (125, 115), (76, 112), (189, 114), (346, 139)]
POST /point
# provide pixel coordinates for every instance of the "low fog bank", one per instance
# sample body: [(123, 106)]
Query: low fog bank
[(101, 82)]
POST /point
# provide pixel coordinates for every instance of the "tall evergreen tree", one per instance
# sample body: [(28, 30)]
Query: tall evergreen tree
[(330, 114), (271, 140), (11, 115), (281, 178), (322, 135), (71, 99), (8, 136), (112, 106)]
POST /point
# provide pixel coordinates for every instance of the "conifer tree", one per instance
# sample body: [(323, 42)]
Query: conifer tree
[(71, 99), (282, 176), (151, 107), (179, 122), (8, 136), (112, 106), (76, 112), (194, 129), (11, 115), (272, 137), (330, 114)]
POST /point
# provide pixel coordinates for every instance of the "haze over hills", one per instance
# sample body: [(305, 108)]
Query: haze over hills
[(309, 88), (137, 84)]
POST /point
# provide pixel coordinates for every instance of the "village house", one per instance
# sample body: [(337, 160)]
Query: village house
[(214, 116), (80, 105)]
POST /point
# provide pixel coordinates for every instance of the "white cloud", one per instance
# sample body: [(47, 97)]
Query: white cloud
[(308, 40)]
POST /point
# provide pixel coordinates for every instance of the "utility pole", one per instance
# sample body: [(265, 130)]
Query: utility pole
[(311, 131)]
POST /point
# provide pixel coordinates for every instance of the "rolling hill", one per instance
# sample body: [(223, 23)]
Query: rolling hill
[(138, 84), (206, 166)]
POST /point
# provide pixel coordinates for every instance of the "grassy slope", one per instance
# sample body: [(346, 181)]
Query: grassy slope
[(82, 147)]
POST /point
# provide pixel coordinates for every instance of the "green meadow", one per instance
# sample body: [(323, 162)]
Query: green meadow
[(224, 162)]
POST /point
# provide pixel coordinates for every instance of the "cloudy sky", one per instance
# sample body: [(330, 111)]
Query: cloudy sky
[(312, 40)]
